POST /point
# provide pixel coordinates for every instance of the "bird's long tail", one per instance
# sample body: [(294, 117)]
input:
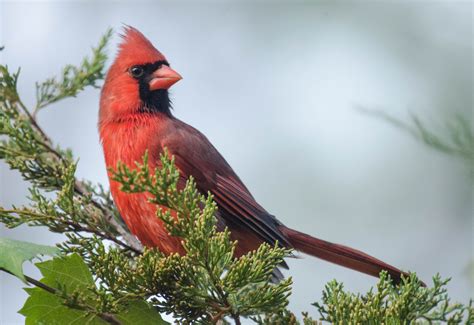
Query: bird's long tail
[(339, 254)]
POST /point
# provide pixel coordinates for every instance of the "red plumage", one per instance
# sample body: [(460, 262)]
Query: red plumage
[(135, 117)]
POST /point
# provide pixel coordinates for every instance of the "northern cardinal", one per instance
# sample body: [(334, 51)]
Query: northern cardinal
[(135, 117)]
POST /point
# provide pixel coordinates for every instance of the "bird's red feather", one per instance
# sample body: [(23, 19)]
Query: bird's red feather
[(127, 132)]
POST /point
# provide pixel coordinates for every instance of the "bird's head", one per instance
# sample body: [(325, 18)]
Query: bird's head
[(138, 80)]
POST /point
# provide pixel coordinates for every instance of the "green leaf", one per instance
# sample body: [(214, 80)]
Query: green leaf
[(138, 312), (75, 301), (69, 271), (13, 253), (43, 307), (46, 308), (68, 274)]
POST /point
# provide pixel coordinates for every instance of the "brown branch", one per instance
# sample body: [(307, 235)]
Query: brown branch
[(33, 120), (220, 314), (236, 318), (131, 241)]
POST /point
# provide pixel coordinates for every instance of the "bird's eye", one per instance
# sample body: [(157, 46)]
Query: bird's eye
[(136, 71)]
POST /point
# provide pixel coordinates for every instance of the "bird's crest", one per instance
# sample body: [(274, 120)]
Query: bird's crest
[(136, 48)]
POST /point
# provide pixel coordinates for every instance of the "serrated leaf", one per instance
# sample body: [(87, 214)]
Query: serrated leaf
[(68, 271), (43, 307), (71, 275), (13, 253), (138, 312)]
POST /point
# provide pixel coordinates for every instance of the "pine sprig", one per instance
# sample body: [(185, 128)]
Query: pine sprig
[(74, 78), (407, 303), (456, 138)]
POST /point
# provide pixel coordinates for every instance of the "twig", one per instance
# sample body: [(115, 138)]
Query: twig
[(38, 284), (236, 318), (76, 226), (33, 121), (109, 318), (132, 243), (217, 317)]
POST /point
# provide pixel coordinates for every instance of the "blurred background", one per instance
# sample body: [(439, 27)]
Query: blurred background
[(275, 86)]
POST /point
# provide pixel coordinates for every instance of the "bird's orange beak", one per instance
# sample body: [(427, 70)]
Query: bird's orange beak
[(163, 78)]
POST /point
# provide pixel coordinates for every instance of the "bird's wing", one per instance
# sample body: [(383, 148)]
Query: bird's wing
[(196, 156)]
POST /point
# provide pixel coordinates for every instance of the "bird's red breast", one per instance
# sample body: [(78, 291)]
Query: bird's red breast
[(126, 134), (127, 142)]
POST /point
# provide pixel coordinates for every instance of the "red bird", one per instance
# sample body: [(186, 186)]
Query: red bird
[(135, 116)]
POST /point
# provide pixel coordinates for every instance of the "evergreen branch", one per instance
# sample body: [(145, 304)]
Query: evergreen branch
[(457, 141), (29, 150), (407, 303), (47, 141), (74, 79), (13, 218), (86, 190)]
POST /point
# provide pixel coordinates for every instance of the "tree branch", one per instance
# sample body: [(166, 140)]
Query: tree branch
[(132, 243)]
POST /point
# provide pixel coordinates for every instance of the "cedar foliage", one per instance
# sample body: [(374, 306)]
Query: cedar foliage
[(101, 274)]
